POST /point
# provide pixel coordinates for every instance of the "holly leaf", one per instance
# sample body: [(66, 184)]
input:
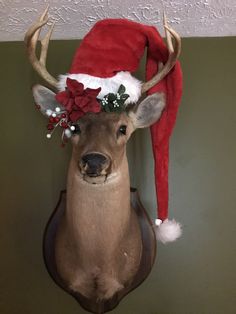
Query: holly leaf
[(113, 100), (118, 109), (124, 97), (107, 108), (121, 89), (111, 97)]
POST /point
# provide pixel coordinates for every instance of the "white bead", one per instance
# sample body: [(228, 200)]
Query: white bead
[(54, 115), (72, 128), (58, 109), (68, 133), (48, 112), (49, 135), (158, 222)]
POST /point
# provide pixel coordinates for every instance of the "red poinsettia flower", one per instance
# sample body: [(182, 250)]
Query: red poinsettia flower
[(77, 100)]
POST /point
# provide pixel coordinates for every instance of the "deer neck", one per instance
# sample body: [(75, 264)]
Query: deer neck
[(103, 208)]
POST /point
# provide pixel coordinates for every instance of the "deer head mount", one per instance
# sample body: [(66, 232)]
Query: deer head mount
[(98, 238)]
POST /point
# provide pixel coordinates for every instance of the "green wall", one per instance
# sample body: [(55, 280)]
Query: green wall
[(195, 275)]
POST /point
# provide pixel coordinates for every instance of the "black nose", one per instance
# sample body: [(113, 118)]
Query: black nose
[(94, 162)]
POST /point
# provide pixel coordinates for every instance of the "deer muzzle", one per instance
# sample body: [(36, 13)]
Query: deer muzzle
[(94, 167)]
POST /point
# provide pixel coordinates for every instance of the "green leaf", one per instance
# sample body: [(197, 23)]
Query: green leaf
[(124, 97), (111, 97), (121, 89), (107, 108)]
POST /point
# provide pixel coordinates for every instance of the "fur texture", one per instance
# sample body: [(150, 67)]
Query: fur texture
[(45, 98), (148, 111), (99, 226), (108, 85), (168, 231)]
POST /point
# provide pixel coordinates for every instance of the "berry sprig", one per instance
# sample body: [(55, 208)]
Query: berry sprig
[(58, 118), (67, 115), (115, 102)]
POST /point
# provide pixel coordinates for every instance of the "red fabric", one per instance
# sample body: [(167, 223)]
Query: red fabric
[(111, 46), (161, 131), (115, 45), (77, 100)]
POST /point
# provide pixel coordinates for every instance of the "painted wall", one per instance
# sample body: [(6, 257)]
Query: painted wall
[(196, 275), (190, 18)]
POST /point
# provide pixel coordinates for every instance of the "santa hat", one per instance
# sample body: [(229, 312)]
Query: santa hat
[(106, 57)]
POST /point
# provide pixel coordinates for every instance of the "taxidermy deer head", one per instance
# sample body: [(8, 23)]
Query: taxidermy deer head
[(99, 248)]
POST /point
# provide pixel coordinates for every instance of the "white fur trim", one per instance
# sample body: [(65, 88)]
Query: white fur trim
[(168, 231), (108, 85)]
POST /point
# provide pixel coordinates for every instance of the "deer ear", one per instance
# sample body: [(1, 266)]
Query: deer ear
[(45, 99), (148, 111)]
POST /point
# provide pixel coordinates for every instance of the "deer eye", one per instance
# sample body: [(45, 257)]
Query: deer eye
[(75, 129), (122, 130)]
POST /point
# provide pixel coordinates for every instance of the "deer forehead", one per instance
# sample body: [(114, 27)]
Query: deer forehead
[(105, 122), (99, 132)]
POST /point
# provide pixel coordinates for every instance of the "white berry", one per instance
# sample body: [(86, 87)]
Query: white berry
[(48, 112), (49, 135), (58, 109), (68, 133)]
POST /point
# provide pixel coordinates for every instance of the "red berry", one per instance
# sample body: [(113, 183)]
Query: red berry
[(50, 127), (51, 120), (63, 115), (56, 119), (64, 125)]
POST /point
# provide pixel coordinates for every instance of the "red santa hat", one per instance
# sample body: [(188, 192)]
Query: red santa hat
[(106, 57)]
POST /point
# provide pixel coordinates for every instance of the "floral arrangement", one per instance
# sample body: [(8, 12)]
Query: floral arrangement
[(76, 101)]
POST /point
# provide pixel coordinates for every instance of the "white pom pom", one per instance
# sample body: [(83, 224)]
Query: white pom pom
[(49, 135), (72, 128), (57, 109), (168, 231), (54, 115)]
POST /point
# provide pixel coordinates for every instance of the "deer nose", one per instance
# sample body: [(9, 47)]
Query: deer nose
[(94, 163)]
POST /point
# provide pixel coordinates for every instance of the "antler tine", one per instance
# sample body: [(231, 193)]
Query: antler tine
[(174, 53), (34, 30), (45, 43), (31, 39)]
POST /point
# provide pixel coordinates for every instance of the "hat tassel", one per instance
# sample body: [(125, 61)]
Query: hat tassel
[(167, 230)]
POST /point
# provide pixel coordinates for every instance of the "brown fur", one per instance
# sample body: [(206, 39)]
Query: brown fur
[(98, 245)]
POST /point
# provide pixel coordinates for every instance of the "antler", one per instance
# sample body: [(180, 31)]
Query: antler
[(174, 53), (31, 39)]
